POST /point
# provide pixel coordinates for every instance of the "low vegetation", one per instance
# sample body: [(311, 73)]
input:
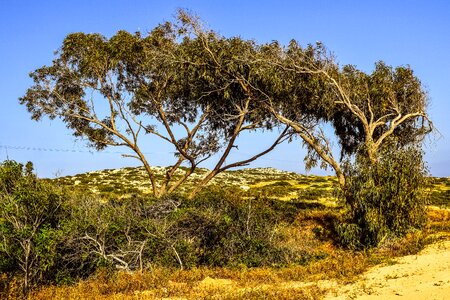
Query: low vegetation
[(262, 233), (129, 182), (385, 199)]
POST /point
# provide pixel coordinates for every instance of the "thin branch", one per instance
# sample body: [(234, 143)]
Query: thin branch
[(281, 138), (395, 123)]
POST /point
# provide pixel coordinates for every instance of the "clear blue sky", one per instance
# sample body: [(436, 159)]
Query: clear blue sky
[(358, 32)]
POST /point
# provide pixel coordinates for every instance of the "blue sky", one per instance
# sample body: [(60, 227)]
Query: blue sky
[(358, 32)]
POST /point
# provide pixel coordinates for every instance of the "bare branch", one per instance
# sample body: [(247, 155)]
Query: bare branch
[(281, 138)]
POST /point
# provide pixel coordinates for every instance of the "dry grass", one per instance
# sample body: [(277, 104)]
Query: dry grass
[(292, 282), (296, 282), (439, 220), (323, 261)]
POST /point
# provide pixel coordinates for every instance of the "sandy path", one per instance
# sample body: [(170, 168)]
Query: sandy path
[(422, 276)]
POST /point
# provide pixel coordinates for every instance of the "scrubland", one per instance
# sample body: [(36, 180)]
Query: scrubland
[(252, 234)]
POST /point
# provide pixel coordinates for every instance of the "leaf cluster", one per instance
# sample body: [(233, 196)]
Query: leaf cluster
[(384, 200), (30, 214)]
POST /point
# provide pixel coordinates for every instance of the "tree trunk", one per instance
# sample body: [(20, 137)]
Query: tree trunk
[(198, 187)]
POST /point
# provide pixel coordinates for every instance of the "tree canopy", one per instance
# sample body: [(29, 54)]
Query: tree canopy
[(113, 91), (181, 75), (308, 89)]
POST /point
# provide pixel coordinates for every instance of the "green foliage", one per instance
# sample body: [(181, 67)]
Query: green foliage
[(176, 75), (276, 189), (385, 199), (380, 95), (440, 198), (180, 75), (440, 195), (313, 193), (217, 228), (234, 231), (80, 234), (30, 214)]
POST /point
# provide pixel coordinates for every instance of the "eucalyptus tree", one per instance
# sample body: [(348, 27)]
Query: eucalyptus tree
[(117, 91), (307, 89), (380, 121), (226, 66)]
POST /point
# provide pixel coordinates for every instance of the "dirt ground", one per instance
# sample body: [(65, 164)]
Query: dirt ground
[(422, 276)]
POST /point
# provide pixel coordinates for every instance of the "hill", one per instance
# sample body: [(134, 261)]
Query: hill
[(268, 182)]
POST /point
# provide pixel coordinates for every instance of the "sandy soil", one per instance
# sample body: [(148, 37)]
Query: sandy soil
[(422, 276)]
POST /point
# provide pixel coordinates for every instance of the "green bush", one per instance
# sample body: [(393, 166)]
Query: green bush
[(217, 228), (30, 215), (386, 198), (313, 193), (229, 230)]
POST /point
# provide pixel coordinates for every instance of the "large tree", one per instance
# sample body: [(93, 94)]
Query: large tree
[(165, 85), (183, 76), (304, 87)]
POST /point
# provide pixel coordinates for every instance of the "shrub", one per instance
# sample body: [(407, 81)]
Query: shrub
[(228, 229), (30, 214), (386, 198), (313, 193)]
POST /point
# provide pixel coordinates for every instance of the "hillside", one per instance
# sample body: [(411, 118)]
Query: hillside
[(267, 182)]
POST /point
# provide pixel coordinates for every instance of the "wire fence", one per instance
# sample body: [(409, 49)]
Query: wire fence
[(92, 152)]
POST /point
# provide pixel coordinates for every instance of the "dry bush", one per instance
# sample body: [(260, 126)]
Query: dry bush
[(439, 220), (411, 243), (438, 215)]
